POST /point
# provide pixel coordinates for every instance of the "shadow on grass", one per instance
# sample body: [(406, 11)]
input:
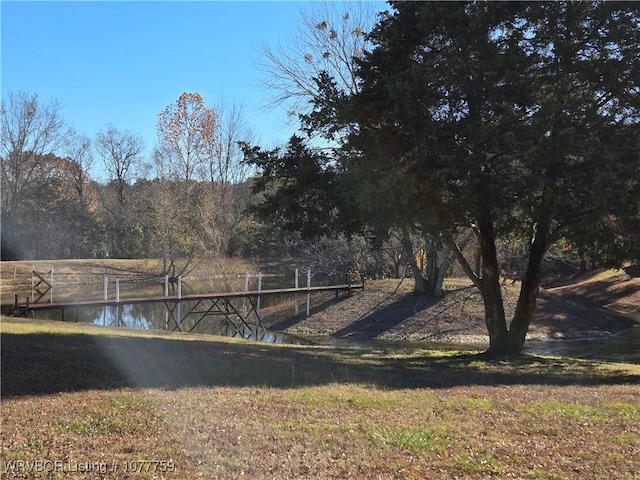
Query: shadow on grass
[(38, 364), (105, 268)]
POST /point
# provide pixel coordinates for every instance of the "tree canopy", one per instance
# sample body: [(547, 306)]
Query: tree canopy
[(510, 119), (301, 190)]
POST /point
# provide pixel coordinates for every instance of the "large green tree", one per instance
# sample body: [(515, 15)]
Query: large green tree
[(506, 118)]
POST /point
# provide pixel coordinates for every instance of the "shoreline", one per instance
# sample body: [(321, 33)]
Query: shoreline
[(387, 313), (594, 305), (480, 341)]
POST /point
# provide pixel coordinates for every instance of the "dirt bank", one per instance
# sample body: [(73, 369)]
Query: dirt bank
[(388, 309)]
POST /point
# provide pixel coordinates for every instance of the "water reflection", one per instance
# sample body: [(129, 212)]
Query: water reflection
[(176, 317), (622, 347), (259, 334)]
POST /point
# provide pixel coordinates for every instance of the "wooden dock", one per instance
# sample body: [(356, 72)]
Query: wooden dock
[(219, 303), (186, 298)]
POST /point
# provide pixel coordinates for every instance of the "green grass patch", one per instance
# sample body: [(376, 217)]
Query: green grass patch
[(623, 438), (479, 403), (537, 474), (479, 464), (352, 395), (581, 411), (418, 440), (122, 414)]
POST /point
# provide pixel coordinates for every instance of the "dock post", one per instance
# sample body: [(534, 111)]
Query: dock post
[(259, 290), (166, 304), (244, 300), (308, 291), (105, 288), (179, 287), (295, 295), (117, 290), (51, 289)]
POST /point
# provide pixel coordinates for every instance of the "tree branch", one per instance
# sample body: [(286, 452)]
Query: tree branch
[(463, 261)]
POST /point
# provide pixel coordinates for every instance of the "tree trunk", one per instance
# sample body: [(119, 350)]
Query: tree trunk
[(503, 342), (494, 310), (442, 272), (491, 292), (422, 286), (421, 282), (437, 267), (528, 291), (432, 267)]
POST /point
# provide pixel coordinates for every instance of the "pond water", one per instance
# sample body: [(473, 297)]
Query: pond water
[(220, 317), (623, 346)]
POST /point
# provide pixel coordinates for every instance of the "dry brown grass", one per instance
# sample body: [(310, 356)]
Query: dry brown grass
[(83, 271), (204, 407), (217, 408)]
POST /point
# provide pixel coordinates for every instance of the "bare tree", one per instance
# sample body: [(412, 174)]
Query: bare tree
[(328, 42), (78, 151), (185, 154), (29, 131), (329, 38), (121, 155), (226, 168), (186, 138), (226, 171), (225, 165)]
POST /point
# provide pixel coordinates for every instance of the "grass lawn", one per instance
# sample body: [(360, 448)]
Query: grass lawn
[(87, 402)]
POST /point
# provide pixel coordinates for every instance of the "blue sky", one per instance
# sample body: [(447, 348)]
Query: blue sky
[(124, 62)]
